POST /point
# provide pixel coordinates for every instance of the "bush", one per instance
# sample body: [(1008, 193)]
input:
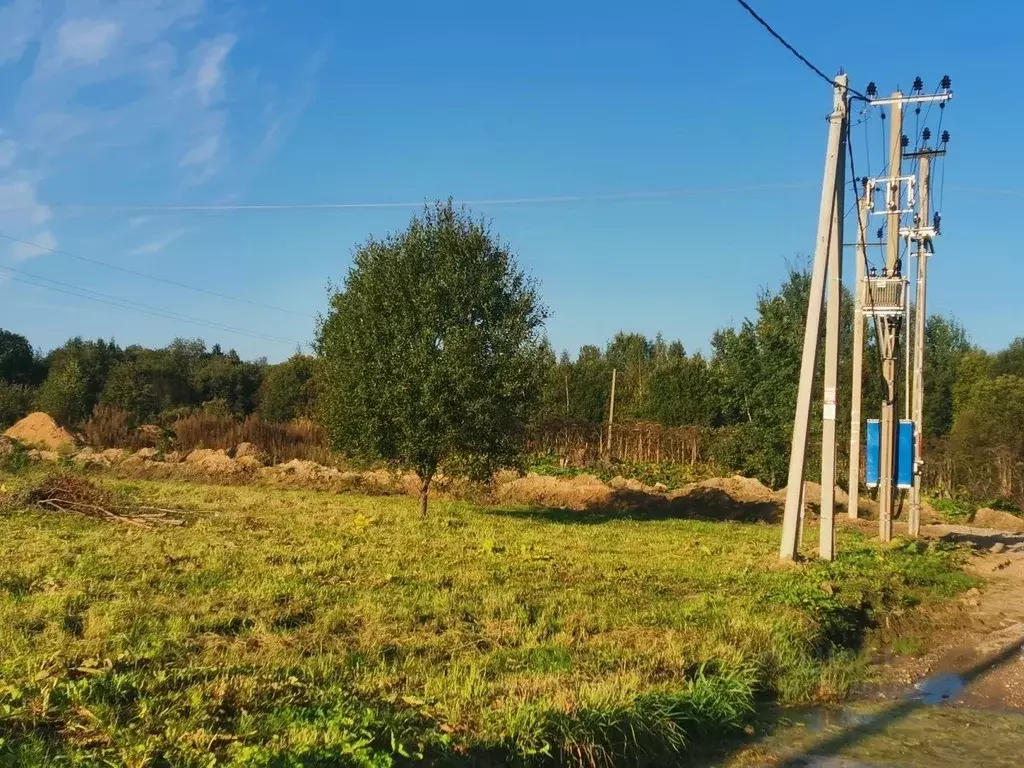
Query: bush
[(110, 427), (15, 402), (64, 395)]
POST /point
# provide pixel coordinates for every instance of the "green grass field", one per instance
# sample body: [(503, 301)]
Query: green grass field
[(290, 628)]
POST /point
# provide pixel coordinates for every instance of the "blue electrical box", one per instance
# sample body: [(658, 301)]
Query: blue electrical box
[(872, 454), (905, 455)]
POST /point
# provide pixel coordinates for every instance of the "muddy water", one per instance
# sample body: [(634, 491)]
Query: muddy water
[(922, 731)]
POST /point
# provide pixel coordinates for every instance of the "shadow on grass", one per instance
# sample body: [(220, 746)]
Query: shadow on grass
[(709, 504)]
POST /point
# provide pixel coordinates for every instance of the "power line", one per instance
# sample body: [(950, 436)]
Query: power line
[(795, 52), (116, 301), (552, 199), (136, 273)]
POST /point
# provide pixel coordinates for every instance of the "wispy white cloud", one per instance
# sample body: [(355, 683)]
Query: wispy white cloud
[(139, 221), (19, 25), (86, 41), (158, 245), (19, 202), (202, 153), (40, 244), (8, 151), (210, 74)]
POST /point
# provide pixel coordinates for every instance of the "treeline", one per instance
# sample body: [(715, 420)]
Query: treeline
[(742, 393), (152, 385)]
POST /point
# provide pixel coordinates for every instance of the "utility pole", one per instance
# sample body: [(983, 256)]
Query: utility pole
[(829, 213), (856, 387), (611, 414), (889, 327), (827, 529), (924, 233)]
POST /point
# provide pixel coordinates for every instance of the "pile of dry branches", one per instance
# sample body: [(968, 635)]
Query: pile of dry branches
[(64, 492)]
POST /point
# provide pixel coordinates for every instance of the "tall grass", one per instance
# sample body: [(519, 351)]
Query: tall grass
[(281, 441)]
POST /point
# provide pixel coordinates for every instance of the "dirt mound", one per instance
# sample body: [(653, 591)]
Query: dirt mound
[(214, 462), (745, 490), (1002, 521), (38, 430), (250, 452), (565, 492), (305, 470)]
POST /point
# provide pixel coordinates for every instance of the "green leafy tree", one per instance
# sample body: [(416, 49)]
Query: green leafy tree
[(15, 402), (65, 394), (128, 387), (18, 362), (226, 377), (431, 351), (1010, 361), (989, 428), (288, 390), (946, 343)]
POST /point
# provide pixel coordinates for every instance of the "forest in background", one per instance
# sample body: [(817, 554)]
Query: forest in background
[(732, 407)]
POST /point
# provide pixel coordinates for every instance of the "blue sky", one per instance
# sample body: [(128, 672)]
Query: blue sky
[(108, 108)]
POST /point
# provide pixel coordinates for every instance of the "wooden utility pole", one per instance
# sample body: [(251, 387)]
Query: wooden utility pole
[(888, 327), (830, 210), (924, 245), (856, 385), (611, 413)]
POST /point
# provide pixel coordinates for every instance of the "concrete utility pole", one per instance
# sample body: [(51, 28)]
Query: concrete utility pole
[(827, 530), (611, 413), (830, 215), (858, 357), (888, 327), (923, 234)]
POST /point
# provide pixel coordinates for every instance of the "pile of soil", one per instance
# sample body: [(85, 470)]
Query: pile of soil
[(214, 462), (563, 492), (727, 498), (38, 430), (1002, 521)]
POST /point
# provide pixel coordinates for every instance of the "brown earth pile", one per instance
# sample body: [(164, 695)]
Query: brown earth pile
[(215, 462), (993, 518), (564, 492), (38, 430)]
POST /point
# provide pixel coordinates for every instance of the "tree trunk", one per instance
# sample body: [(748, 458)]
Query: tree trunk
[(424, 488)]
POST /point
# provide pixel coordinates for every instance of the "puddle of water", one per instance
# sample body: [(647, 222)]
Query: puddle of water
[(908, 733), (939, 689)]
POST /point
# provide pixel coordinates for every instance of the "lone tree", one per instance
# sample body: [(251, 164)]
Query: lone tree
[(431, 353)]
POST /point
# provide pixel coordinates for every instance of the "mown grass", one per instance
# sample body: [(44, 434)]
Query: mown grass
[(302, 628)]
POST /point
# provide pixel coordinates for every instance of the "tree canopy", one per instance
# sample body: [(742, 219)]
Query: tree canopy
[(431, 351)]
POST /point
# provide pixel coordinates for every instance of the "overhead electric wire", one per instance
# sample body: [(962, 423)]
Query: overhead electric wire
[(147, 276), (116, 301), (355, 206), (795, 52)]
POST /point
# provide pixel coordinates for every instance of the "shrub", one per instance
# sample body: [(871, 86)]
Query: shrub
[(15, 402)]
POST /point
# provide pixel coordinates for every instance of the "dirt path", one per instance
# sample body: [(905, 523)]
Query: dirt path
[(980, 663), (959, 704)]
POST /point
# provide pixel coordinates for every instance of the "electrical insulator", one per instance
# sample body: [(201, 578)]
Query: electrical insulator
[(918, 84), (885, 272), (881, 113), (872, 89), (926, 134), (936, 222), (873, 272), (904, 141), (879, 233), (946, 83), (945, 137)]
